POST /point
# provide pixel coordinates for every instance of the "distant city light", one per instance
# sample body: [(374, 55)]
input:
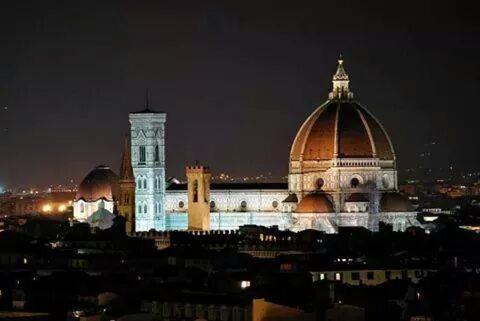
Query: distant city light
[(62, 208), (245, 284), (47, 208)]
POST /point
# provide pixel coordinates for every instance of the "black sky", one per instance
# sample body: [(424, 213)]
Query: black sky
[(237, 78)]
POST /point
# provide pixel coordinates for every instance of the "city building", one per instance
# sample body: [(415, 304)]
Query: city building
[(342, 172)]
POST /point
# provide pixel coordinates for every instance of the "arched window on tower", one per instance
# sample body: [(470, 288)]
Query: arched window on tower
[(139, 209), (139, 183), (155, 183), (144, 183), (145, 208), (195, 191), (157, 154), (142, 155)]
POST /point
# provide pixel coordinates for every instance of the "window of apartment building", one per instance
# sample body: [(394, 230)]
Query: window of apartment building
[(370, 276), (355, 276), (338, 276)]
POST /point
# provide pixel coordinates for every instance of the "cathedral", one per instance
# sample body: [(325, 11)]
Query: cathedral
[(342, 172)]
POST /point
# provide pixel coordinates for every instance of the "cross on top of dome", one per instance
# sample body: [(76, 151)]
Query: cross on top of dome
[(340, 83)]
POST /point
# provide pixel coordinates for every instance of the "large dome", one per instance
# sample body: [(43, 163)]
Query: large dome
[(341, 128), (100, 183)]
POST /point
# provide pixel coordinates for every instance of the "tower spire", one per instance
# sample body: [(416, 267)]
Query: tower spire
[(340, 83), (147, 99), (126, 171)]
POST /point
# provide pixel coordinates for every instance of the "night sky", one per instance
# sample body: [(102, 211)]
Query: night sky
[(236, 78)]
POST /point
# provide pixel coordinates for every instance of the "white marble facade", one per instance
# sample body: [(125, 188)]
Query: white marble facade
[(266, 208), (147, 131)]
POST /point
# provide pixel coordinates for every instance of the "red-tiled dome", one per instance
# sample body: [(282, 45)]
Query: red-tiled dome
[(315, 203), (395, 202), (341, 128), (100, 183), (344, 129)]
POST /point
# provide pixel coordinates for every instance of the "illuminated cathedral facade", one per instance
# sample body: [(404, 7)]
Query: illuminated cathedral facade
[(342, 172)]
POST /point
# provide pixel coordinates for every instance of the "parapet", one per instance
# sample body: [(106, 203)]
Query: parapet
[(197, 169)]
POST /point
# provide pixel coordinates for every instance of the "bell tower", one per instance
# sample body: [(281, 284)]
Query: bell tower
[(198, 178), (126, 204), (147, 137)]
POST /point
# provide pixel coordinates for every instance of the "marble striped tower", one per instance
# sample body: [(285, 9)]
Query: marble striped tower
[(147, 132)]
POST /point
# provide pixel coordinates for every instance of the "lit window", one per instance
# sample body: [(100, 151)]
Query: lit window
[(322, 276), (338, 276)]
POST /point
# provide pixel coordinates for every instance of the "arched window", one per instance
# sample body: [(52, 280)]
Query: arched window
[(181, 204), (155, 183), (140, 209), (82, 207), (145, 208), (144, 183), (142, 154), (354, 182), (157, 154), (320, 182), (195, 191), (139, 183)]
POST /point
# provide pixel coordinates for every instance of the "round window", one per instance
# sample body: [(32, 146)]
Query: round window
[(243, 204), (181, 204), (212, 205), (385, 182), (354, 182), (320, 182), (274, 204)]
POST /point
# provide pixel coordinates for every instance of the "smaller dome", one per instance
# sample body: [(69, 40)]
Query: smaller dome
[(100, 183), (357, 197), (315, 203), (102, 218), (395, 202)]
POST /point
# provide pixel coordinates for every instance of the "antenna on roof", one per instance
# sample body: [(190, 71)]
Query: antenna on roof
[(147, 99)]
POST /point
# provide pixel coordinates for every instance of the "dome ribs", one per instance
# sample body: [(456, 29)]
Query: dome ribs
[(353, 139), (320, 140)]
